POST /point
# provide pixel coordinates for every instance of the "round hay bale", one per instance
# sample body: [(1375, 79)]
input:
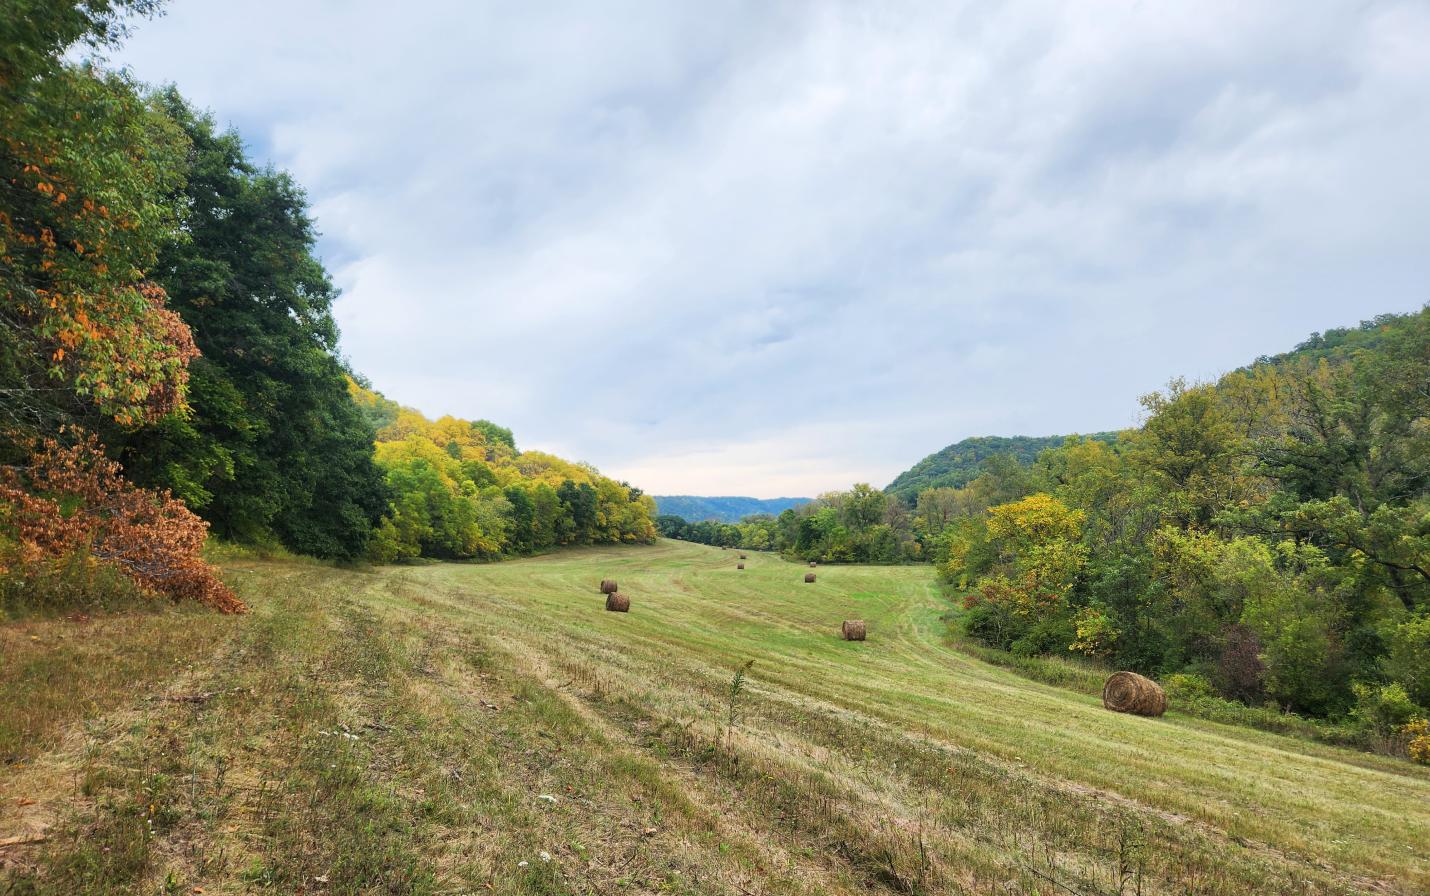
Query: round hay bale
[(616, 602), (608, 586), (811, 564), (853, 630), (808, 578), (742, 557), (1137, 694), (739, 566)]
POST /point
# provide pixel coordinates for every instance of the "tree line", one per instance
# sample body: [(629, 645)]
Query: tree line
[(1263, 539), (861, 525), (461, 490), (167, 333)]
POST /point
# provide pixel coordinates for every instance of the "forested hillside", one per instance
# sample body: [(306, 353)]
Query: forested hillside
[(694, 508), (1339, 343), (960, 462), (1265, 537), (1262, 540), (461, 490), (169, 361)]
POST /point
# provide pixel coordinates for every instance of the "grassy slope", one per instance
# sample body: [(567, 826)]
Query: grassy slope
[(395, 731)]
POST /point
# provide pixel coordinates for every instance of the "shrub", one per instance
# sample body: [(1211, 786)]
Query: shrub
[(1417, 731), (72, 583), (1239, 671), (1188, 687), (73, 500), (1383, 709), (1094, 632), (1047, 636), (1409, 660), (993, 623)]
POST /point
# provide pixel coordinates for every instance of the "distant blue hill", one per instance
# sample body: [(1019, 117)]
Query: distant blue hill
[(693, 508)]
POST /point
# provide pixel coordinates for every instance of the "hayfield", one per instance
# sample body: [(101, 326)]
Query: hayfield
[(456, 728)]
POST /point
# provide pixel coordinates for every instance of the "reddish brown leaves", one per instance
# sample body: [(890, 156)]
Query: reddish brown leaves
[(72, 499)]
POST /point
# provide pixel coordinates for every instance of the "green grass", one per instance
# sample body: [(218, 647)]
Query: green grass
[(430, 729), (1087, 678)]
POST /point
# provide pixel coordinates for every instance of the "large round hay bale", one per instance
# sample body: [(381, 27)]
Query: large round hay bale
[(742, 557), (1137, 694), (739, 566), (853, 630), (808, 577), (608, 586), (616, 602), (811, 564)]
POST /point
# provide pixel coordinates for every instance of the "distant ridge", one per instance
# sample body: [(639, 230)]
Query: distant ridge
[(960, 462), (695, 508)]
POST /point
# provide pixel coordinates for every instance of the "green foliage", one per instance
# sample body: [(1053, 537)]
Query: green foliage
[(274, 447), (495, 435), (1187, 687), (1339, 343), (1049, 636), (1407, 663), (994, 623), (858, 526), (962, 462), (732, 697), (87, 168), (862, 525), (1384, 710), (1269, 533), (460, 491), (1095, 632), (34, 33)]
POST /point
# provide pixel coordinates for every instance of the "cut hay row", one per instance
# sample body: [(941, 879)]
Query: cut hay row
[(1125, 692)]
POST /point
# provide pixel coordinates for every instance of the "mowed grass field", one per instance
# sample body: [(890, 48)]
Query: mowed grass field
[(491, 729)]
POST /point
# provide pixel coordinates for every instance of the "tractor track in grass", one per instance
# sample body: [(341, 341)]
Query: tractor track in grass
[(906, 645)]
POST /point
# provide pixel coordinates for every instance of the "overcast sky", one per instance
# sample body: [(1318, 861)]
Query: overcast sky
[(778, 248)]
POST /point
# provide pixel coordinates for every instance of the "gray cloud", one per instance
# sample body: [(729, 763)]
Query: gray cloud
[(777, 248)]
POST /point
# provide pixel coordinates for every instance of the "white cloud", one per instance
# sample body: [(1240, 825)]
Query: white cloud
[(776, 248)]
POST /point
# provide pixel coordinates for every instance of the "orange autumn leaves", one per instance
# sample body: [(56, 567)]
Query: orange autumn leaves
[(72, 286), (113, 342), (85, 203), (72, 499), (90, 176), (134, 365)]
